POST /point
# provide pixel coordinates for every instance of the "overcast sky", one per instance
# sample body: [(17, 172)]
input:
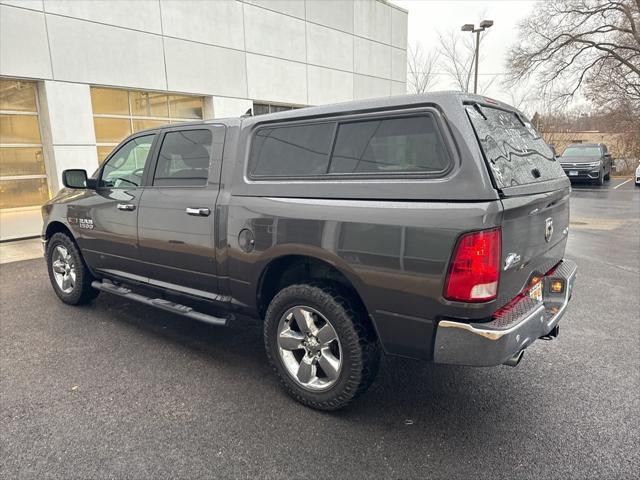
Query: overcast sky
[(428, 17)]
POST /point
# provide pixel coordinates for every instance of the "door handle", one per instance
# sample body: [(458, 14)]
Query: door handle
[(198, 212), (126, 207)]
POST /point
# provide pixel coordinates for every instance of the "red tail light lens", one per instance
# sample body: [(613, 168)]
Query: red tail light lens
[(475, 267)]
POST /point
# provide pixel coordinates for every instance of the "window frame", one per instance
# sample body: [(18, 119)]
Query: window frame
[(337, 120), (117, 148), (215, 165)]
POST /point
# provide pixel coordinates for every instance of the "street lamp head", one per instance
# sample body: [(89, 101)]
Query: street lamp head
[(467, 27), (486, 23)]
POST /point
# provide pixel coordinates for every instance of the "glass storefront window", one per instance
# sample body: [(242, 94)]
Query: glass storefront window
[(143, 124), (23, 192), (111, 130), (149, 104), (19, 129), (23, 178), (21, 161), (17, 96), (181, 106), (103, 153), (118, 113), (109, 101)]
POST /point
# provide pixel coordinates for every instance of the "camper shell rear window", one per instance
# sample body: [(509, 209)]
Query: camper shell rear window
[(515, 152)]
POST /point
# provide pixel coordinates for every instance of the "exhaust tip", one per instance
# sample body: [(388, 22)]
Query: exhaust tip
[(515, 360)]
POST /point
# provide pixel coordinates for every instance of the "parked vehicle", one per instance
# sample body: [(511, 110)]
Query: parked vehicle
[(638, 176), (587, 161), (411, 225)]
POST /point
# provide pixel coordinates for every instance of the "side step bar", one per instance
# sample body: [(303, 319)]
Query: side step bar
[(160, 303)]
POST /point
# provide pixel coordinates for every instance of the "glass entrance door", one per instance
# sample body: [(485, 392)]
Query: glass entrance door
[(23, 179)]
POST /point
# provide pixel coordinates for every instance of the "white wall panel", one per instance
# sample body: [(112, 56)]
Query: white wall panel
[(69, 111), (370, 87), (105, 55), (398, 28), (23, 43), (271, 33), (398, 88), (289, 7), (329, 86), (136, 15), (398, 64), (275, 80), (230, 107), (329, 48), (32, 4), (74, 156), (216, 23), (373, 20), (371, 58), (197, 68), (332, 13)]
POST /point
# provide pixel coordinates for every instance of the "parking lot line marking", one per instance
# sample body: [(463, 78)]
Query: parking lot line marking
[(620, 184)]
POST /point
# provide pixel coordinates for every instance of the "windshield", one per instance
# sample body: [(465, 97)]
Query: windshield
[(515, 151), (582, 151)]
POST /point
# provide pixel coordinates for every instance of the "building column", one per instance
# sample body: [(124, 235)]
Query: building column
[(69, 140), (224, 107)]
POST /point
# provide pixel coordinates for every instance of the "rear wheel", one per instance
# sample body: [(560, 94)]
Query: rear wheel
[(320, 344), (69, 276)]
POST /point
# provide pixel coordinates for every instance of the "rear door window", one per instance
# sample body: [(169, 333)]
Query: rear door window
[(387, 146), (515, 151), (184, 159)]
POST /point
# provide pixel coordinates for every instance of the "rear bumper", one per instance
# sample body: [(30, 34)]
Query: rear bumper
[(513, 330)]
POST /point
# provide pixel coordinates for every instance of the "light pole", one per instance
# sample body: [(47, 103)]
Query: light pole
[(470, 27)]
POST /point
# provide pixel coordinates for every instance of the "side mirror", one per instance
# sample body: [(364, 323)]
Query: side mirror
[(76, 178)]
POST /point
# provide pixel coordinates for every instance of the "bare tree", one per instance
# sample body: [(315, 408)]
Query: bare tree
[(591, 46), (421, 69), (458, 57)]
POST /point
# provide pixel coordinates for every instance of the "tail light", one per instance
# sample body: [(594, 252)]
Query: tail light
[(475, 267)]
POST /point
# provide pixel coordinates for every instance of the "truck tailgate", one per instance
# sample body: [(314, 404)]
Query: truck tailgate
[(534, 237)]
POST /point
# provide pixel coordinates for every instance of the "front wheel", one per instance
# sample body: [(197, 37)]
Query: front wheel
[(69, 276), (321, 345), (600, 180)]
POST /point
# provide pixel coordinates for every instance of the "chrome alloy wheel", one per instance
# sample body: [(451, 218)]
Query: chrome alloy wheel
[(309, 348), (64, 269)]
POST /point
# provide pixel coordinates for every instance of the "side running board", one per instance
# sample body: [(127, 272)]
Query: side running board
[(160, 303)]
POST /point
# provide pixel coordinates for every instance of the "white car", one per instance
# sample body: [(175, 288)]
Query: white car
[(638, 176)]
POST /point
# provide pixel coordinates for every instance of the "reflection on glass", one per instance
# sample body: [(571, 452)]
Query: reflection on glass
[(21, 161), (103, 152), (142, 124), (149, 104), (18, 96), (110, 101), (181, 106), (19, 129), (111, 130), (23, 193)]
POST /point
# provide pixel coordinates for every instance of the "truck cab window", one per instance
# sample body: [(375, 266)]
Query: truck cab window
[(184, 159), (125, 167)]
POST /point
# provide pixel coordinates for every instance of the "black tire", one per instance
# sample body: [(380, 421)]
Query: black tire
[(360, 353), (81, 292), (600, 180), (607, 177)]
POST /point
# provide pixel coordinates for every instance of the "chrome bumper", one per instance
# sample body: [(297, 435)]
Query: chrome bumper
[(494, 342)]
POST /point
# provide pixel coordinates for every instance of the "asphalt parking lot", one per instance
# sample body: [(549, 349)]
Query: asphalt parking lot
[(119, 390)]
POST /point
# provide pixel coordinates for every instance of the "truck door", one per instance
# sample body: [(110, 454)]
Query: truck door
[(176, 218), (107, 220)]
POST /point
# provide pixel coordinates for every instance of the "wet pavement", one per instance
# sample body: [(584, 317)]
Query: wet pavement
[(119, 390)]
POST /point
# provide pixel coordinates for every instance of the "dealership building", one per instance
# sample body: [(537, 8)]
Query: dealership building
[(78, 76)]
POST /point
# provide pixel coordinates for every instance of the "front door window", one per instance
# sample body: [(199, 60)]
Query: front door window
[(126, 166)]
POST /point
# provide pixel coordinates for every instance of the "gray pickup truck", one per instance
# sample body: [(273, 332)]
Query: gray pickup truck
[(427, 226)]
